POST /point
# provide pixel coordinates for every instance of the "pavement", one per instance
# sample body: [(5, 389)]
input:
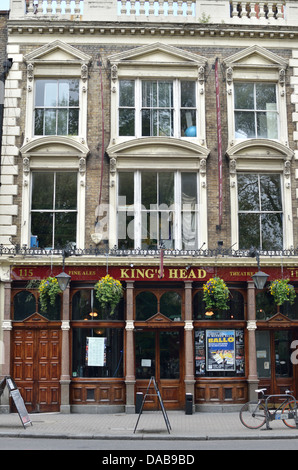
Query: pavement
[(151, 425)]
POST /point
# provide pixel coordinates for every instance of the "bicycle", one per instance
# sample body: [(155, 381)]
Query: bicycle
[(254, 414)]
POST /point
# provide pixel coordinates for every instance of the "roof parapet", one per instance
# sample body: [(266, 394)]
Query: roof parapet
[(282, 12)]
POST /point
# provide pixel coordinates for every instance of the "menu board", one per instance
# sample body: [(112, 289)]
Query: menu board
[(219, 352), (96, 351), (18, 401)]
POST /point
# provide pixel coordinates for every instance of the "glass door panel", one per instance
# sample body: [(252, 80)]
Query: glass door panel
[(169, 346), (283, 365), (263, 354), (145, 354), (274, 366)]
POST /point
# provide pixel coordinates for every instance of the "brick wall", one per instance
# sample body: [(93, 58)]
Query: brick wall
[(100, 52)]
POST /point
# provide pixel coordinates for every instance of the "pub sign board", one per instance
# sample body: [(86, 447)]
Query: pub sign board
[(150, 273)]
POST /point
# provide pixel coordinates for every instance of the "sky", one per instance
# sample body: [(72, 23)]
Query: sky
[(4, 5)]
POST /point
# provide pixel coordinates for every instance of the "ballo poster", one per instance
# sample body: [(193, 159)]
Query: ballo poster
[(220, 348)]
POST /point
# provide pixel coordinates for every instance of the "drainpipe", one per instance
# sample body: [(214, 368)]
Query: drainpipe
[(6, 67)]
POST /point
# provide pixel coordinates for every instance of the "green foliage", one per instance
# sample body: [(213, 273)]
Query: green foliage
[(108, 292), (48, 291), (216, 294), (282, 291)]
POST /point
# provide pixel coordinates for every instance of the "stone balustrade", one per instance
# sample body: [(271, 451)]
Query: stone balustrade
[(283, 12)]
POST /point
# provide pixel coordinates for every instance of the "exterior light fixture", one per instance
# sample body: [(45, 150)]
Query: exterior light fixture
[(259, 278), (63, 278)]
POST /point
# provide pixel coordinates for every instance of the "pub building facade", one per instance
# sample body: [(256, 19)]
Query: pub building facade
[(154, 142)]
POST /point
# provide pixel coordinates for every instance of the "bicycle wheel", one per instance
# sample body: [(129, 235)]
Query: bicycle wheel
[(289, 409), (252, 415)]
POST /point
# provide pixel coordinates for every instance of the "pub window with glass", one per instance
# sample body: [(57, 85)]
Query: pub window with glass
[(97, 337)]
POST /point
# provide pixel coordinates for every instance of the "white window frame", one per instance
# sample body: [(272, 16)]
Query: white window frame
[(265, 68), (53, 210), (56, 61), (255, 111), (136, 210), (63, 157), (176, 107), (55, 152), (56, 108), (260, 212)]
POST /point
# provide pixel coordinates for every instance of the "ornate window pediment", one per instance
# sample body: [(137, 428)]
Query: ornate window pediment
[(57, 52), (157, 54), (157, 91), (253, 59), (57, 81)]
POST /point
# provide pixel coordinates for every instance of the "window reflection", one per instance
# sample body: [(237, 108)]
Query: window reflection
[(24, 305), (85, 306), (146, 305)]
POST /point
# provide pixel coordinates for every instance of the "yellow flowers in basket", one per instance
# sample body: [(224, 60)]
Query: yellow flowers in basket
[(282, 291), (48, 291), (108, 291), (216, 294)]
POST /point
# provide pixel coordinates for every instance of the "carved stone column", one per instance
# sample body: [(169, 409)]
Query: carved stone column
[(65, 373), (251, 327), (130, 378), (189, 379)]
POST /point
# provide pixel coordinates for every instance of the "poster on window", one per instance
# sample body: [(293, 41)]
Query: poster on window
[(220, 348), (96, 351)]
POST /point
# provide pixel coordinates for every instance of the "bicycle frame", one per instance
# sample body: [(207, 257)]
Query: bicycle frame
[(272, 416)]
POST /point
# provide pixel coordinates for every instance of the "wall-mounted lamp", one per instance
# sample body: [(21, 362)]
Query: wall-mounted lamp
[(259, 278), (63, 278)]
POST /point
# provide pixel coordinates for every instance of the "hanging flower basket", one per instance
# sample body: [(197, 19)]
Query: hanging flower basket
[(109, 292), (216, 294), (282, 291), (48, 291)]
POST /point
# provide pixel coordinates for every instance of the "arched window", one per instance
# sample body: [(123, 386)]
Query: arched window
[(289, 310), (265, 306), (170, 305), (235, 311), (146, 305), (85, 306), (24, 305)]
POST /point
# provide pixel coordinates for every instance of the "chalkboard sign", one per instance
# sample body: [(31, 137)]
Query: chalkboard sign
[(18, 401)]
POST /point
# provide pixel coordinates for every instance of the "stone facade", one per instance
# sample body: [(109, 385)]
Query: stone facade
[(100, 43)]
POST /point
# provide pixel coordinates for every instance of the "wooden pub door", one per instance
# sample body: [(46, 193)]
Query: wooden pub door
[(36, 363)]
